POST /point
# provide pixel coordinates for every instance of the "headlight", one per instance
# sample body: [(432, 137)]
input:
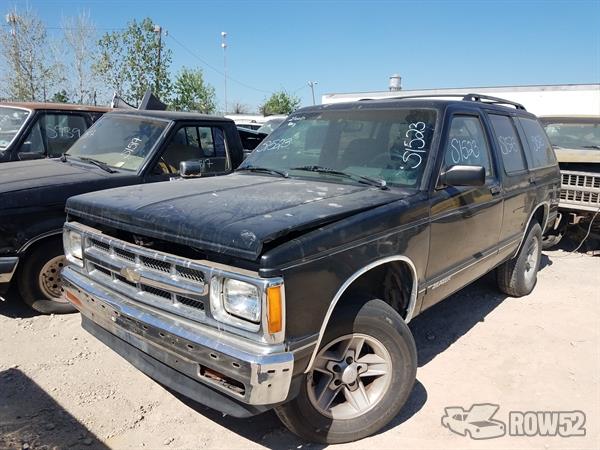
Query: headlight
[(241, 299), (72, 242), (253, 305), (236, 302)]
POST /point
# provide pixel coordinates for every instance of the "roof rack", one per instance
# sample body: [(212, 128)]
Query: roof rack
[(468, 97), (492, 100)]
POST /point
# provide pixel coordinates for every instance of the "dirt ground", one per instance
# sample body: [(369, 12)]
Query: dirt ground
[(60, 388)]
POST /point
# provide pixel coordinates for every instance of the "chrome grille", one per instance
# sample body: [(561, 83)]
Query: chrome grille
[(580, 189), (164, 281), (190, 274), (161, 266)]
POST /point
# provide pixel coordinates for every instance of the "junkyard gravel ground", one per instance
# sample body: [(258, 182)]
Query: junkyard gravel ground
[(60, 388)]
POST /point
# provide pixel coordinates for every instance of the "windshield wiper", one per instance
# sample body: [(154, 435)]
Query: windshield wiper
[(250, 168), (360, 178), (591, 146), (97, 163)]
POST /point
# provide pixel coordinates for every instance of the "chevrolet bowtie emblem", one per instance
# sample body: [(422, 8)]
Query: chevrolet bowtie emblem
[(130, 274)]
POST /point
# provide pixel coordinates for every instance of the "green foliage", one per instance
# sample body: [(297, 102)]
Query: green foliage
[(128, 62), (60, 97), (279, 103), (192, 93), (27, 62)]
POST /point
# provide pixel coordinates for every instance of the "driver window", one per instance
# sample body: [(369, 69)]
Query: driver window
[(467, 144), (193, 143), (34, 142)]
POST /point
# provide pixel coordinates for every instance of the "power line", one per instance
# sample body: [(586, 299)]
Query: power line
[(220, 72)]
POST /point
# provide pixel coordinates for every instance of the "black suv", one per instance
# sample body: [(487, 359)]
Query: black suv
[(289, 284)]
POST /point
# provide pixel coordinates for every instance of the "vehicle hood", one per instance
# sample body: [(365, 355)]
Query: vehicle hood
[(567, 155), (235, 214), (50, 181)]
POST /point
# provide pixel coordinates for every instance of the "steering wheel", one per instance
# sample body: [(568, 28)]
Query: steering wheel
[(166, 167)]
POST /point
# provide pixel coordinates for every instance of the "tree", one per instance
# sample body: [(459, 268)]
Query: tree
[(60, 97), (30, 70), (128, 61), (192, 93), (279, 103), (240, 108), (81, 44)]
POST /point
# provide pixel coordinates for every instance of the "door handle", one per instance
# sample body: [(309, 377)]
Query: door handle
[(495, 189)]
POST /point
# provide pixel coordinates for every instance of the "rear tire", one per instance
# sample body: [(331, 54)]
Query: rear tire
[(517, 277), (361, 378), (40, 283)]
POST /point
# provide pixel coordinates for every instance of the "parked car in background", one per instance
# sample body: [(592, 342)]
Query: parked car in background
[(576, 142), (289, 284), (249, 121), (121, 148), (271, 124), (250, 139), (42, 130)]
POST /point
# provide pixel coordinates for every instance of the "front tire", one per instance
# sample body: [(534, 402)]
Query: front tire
[(40, 282), (517, 277), (361, 377)]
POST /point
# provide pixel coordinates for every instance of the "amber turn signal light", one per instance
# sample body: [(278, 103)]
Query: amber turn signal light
[(274, 309), (73, 298)]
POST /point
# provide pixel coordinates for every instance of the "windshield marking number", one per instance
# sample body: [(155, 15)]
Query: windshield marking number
[(414, 144), (131, 147), (274, 144)]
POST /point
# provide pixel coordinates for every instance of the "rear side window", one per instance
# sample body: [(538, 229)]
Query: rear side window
[(540, 152), (509, 143)]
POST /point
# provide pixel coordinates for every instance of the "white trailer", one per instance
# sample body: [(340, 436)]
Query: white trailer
[(542, 100)]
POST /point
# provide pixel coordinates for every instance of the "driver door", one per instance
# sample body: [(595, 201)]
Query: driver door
[(465, 221), (194, 142)]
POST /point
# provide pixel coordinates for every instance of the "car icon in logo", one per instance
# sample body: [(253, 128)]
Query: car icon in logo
[(477, 422)]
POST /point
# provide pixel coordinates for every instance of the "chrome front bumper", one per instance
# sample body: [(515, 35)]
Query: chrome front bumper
[(251, 373)]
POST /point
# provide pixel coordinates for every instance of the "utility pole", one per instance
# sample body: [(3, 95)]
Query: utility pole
[(312, 88), (12, 20), (158, 30), (224, 47)]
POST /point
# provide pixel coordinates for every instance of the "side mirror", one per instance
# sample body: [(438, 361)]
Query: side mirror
[(27, 156), (463, 176), (195, 168)]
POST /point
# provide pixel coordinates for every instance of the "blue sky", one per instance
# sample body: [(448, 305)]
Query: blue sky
[(355, 45)]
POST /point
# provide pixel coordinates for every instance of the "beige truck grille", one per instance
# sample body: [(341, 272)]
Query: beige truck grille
[(580, 190)]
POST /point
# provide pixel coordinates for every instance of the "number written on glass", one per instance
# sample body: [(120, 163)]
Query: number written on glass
[(463, 150), (414, 144)]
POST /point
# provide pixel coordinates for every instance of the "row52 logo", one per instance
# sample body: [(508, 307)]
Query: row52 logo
[(478, 422)]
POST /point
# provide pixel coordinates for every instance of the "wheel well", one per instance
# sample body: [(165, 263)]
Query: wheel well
[(540, 215), (36, 242), (391, 282)]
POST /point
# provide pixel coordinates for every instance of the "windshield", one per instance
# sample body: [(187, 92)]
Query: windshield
[(122, 142), (11, 121), (383, 144), (574, 135)]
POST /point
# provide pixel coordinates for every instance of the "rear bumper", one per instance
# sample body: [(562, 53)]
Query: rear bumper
[(8, 267), (212, 367)]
